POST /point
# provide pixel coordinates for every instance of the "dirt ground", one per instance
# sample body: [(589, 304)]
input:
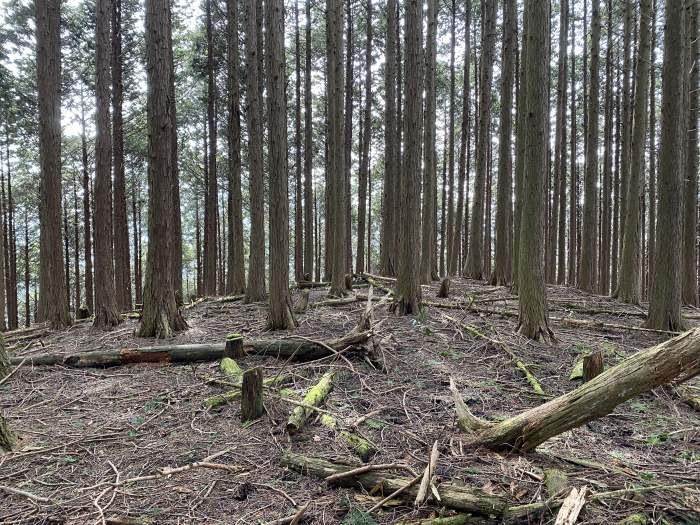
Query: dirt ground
[(84, 431)]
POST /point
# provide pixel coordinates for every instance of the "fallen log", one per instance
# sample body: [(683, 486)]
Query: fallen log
[(361, 446), (451, 496), (300, 349), (311, 284), (313, 398), (677, 358)]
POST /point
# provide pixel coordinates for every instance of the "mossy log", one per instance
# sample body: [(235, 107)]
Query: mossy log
[(362, 447), (7, 438), (677, 358), (457, 519), (299, 349), (457, 497), (4, 359), (311, 284), (313, 398)]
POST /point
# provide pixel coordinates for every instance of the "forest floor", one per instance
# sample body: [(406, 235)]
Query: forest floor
[(84, 431)]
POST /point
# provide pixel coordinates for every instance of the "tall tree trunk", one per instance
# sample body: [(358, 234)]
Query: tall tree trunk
[(501, 275), (629, 289), (451, 147), (161, 316), (76, 247), (309, 241), (573, 191), (454, 266), (212, 191), (106, 310), (690, 192), (387, 251), (651, 248), (587, 280), (560, 139), (349, 98), (66, 251), (408, 283), (255, 291), (122, 273), (27, 316), (298, 207), (136, 226), (475, 263), (532, 319), (87, 213), (53, 307), (336, 135), (176, 230), (3, 267), (364, 153), (666, 285), (429, 153), (616, 233), (235, 283), (606, 190), (280, 316), (520, 116), (627, 95)]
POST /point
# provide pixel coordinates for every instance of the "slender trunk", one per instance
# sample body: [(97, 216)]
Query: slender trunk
[(366, 131), (573, 179), (122, 273), (387, 252), (309, 241), (501, 275), (651, 248), (606, 190), (560, 157), (27, 301), (451, 148), (87, 214), (589, 232), (212, 191), (629, 288), (349, 97)]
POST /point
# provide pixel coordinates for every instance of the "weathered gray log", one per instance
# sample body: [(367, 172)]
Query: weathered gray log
[(300, 349), (252, 394), (451, 496), (677, 358), (312, 284)]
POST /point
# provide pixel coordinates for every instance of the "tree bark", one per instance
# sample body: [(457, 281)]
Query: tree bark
[(475, 260), (235, 283), (52, 306), (560, 157), (429, 153), (280, 314), (336, 152), (589, 232), (309, 241), (366, 130), (87, 213), (387, 251), (666, 286), (161, 316), (532, 319), (629, 283), (501, 275), (255, 291), (690, 190), (450, 228), (408, 283), (122, 268)]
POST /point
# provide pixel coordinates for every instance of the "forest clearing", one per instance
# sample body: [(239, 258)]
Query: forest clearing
[(86, 431)]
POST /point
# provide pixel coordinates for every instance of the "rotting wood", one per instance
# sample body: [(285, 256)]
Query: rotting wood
[(361, 446), (427, 476), (311, 284), (234, 346), (592, 365), (444, 291), (571, 508), (315, 396), (7, 438), (302, 303), (457, 519), (252, 394), (453, 496), (676, 358), (4, 359), (300, 349), (465, 419)]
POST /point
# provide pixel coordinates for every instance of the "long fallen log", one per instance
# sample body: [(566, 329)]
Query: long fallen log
[(452, 496), (313, 398), (677, 358), (300, 349)]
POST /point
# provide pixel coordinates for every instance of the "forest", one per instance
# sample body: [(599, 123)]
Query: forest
[(351, 262)]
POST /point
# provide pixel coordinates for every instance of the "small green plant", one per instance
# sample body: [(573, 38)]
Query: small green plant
[(375, 424), (657, 439), (153, 405), (358, 516)]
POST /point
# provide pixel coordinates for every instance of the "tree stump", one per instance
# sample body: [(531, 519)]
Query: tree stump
[(302, 303), (252, 394), (7, 438), (444, 292), (348, 281), (592, 366), (234, 346), (82, 313)]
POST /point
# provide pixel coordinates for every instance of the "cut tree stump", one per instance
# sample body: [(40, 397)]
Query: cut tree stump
[(234, 346), (458, 497), (300, 349), (302, 303), (313, 398), (252, 394), (592, 366), (444, 291), (677, 358)]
